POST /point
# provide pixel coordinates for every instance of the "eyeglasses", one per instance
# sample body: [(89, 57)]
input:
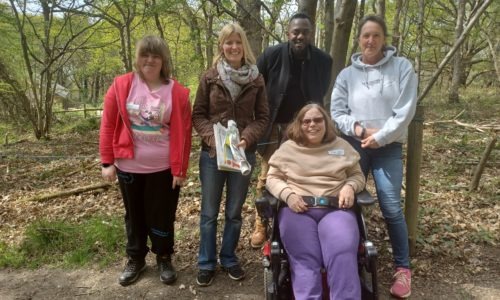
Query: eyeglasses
[(317, 120)]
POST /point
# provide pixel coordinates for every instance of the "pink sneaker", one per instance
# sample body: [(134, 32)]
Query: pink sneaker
[(401, 287)]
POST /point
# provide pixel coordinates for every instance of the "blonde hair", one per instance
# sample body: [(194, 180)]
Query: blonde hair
[(225, 32), (294, 130), (154, 45)]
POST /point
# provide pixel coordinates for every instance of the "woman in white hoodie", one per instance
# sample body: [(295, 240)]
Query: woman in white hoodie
[(372, 103)]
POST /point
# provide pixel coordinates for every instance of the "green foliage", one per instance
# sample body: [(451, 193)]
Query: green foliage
[(84, 125), (97, 240), (11, 257), (483, 236)]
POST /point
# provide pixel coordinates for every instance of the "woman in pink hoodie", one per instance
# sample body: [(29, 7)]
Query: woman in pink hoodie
[(145, 142)]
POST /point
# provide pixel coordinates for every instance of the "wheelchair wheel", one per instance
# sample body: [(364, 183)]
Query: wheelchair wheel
[(366, 285), (368, 276), (269, 289)]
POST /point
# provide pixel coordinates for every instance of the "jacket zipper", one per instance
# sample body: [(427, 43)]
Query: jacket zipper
[(129, 129), (184, 138)]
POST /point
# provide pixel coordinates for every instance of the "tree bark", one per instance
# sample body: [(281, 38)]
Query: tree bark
[(420, 39), (453, 95), (74, 191), (309, 7), (358, 16), (345, 11), (329, 22), (494, 48), (482, 163), (380, 8), (209, 49), (249, 19), (396, 34)]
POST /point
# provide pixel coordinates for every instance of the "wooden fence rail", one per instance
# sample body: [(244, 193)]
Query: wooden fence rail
[(84, 109)]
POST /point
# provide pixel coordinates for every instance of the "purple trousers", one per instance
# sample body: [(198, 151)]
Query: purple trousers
[(321, 238)]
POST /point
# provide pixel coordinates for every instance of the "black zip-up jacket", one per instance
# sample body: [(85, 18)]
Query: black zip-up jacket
[(274, 65)]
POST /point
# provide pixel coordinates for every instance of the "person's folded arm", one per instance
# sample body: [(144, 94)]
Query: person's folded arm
[(276, 184)]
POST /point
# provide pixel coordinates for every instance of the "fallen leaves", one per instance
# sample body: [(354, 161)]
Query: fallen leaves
[(453, 223)]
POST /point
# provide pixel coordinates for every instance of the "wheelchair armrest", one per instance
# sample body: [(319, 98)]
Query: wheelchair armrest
[(267, 205), (364, 198)]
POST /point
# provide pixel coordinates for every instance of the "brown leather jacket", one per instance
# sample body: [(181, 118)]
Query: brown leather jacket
[(213, 104)]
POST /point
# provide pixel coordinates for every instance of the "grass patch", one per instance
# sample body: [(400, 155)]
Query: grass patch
[(77, 124), (98, 240)]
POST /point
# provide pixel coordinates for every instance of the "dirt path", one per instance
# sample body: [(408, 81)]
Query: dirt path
[(47, 283)]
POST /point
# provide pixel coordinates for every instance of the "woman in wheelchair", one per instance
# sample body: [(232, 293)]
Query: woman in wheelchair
[(317, 175)]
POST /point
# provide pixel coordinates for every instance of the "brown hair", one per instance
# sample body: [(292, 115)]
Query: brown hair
[(154, 45), (375, 19), (225, 32), (295, 132)]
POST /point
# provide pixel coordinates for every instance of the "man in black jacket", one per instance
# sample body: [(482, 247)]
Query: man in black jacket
[(296, 73)]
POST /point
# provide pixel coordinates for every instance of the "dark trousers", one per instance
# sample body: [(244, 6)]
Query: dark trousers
[(150, 207)]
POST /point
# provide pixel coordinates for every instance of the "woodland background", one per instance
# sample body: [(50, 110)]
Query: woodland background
[(72, 49), (63, 226)]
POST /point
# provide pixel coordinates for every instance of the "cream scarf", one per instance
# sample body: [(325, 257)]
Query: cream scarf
[(234, 79)]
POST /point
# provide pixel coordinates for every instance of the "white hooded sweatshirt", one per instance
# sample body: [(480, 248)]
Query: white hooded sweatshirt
[(382, 96)]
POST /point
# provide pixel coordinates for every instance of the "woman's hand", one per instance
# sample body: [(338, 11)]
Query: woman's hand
[(296, 203), (178, 181), (346, 196), (242, 144), (109, 173), (370, 142), (367, 140)]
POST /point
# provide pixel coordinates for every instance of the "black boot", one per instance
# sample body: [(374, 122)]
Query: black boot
[(133, 269), (168, 275)]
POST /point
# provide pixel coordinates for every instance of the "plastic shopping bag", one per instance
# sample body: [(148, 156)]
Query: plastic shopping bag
[(229, 156)]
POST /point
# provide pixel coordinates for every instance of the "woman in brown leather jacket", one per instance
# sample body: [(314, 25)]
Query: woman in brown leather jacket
[(232, 89)]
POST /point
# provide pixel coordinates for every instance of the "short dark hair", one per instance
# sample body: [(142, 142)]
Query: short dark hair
[(300, 15), (373, 18)]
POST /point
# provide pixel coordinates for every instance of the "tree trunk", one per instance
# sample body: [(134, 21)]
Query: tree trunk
[(209, 49), (344, 16), (494, 47), (161, 31), (97, 86), (360, 14), (420, 39), (249, 18), (329, 22), (309, 7), (453, 95), (396, 34), (380, 8)]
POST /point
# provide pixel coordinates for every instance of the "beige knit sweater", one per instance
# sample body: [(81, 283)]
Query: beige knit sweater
[(314, 171)]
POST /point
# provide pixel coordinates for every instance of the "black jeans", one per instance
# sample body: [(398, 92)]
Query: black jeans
[(150, 207)]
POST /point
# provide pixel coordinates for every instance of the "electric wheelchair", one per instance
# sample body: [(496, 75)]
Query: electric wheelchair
[(277, 279)]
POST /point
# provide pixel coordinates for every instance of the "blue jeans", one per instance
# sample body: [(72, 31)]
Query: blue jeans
[(212, 185), (386, 165)]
